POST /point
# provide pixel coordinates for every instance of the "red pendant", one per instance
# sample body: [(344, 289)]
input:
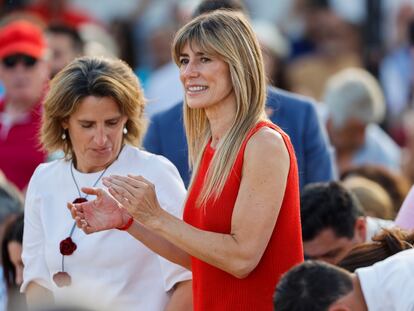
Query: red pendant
[(62, 279), (67, 246), (79, 200)]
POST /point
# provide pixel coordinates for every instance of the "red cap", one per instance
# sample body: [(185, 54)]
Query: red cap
[(22, 37)]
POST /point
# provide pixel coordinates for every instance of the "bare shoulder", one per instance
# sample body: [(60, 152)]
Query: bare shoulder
[(267, 142)]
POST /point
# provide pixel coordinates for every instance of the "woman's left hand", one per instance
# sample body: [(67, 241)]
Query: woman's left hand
[(137, 195), (100, 214)]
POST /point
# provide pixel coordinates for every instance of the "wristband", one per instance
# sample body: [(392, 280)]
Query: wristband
[(127, 225)]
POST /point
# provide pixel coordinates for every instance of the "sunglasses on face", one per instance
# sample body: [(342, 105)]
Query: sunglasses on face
[(12, 60)]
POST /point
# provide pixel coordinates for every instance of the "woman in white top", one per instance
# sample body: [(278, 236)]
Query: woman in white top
[(94, 113)]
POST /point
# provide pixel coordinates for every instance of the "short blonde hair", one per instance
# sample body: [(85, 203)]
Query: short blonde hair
[(374, 199), (92, 76)]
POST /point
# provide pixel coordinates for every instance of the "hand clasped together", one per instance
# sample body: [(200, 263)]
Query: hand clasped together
[(127, 196)]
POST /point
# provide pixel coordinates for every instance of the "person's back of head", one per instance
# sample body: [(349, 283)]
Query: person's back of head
[(374, 199), (328, 205), (353, 93), (396, 184), (311, 286), (384, 245)]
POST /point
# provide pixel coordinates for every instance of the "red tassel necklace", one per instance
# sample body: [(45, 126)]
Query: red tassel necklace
[(67, 246)]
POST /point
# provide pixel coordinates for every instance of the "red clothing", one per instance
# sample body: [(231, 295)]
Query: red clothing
[(214, 289), (20, 150)]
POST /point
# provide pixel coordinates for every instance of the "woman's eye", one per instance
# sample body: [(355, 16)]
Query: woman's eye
[(183, 61), (86, 125), (205, 59), (112, 123)]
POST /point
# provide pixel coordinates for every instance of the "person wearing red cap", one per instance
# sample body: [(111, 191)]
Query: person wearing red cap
[(24, 73)]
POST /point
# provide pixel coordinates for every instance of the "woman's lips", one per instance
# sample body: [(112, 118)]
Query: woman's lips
[(102, 150)]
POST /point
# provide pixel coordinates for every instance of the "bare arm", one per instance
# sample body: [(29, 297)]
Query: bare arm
[(105, 213), (38, 297), (160, 245), (181, 298), (266, 165)]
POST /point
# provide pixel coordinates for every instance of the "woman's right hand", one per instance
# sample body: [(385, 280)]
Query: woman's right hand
[(100, 214)]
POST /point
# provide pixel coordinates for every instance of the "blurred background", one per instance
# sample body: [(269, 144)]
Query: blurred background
[(305, 43), (353, 58)]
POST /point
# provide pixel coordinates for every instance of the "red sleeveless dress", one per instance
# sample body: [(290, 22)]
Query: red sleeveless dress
[(214, 289)]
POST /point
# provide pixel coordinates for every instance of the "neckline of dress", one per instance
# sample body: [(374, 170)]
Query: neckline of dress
[(77, 172)]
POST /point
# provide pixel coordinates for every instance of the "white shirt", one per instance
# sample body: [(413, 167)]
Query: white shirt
[(388, 285), (378, 148), (108, 268)]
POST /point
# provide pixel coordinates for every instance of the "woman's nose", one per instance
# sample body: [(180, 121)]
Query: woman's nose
[(100, 137), (190, 70)]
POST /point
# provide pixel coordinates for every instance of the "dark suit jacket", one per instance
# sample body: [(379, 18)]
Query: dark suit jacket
[(294, 114)]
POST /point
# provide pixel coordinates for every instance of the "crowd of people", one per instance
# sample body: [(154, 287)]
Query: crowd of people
[(216, 158)]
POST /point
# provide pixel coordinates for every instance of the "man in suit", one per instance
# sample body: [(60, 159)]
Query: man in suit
[(295, 115)]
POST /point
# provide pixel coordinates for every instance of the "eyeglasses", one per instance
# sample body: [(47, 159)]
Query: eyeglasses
[(12, 60)]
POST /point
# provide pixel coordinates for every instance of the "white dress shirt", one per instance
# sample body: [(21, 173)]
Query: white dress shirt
[(108, 268)]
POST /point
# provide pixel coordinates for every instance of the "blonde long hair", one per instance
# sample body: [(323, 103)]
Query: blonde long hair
[(228, 35)]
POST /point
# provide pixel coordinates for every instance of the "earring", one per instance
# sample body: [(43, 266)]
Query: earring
[(125, 131), (63, 136)]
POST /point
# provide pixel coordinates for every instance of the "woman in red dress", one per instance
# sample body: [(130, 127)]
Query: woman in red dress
[(241, 226)]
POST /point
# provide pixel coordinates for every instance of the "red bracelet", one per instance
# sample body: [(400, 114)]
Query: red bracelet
[(127, 225)]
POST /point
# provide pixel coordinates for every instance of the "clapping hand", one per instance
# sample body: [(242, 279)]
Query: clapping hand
[(100, 214), (136, 195)]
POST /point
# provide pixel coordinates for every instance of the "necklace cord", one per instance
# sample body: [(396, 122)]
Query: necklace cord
[(76, 184), (80, 196)]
